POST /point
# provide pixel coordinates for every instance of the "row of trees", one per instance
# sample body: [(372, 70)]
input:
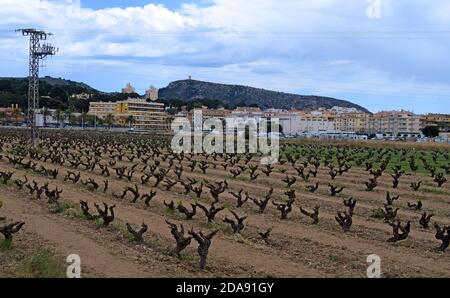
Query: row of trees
[(430, 131), (15, 115), (55, 93), (68, 116), (84, 119), (175, 105)]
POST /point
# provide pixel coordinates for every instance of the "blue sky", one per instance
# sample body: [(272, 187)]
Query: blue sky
[(339, 48)]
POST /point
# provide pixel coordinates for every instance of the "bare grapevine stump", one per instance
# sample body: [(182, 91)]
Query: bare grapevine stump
[(11, 229), (107, 219), (137, 235), (182, 242), (204, 242)]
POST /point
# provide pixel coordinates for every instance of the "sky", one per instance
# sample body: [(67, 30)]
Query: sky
[(381, 54), (102, 4)]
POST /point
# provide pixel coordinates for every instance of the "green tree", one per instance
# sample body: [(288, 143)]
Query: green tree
[(16, 113), (8, 98), (58, 92), (270, 123), (99, 120), (431, 131), (84, 118), (68, 115), (2, 116), (109, 120), (130, 120), (75, 120), (58, 116), (46, 113)]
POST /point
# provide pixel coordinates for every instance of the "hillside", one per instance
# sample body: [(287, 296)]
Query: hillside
[(20, 85), (55, 93), (235, 95), (68, 83)]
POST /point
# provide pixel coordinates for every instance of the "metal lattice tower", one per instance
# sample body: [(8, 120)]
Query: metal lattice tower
[(37, 53)]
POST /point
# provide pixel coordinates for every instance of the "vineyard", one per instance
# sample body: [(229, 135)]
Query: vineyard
[(130, 207)]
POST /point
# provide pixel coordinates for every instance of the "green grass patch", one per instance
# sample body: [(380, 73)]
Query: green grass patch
[(377, 213), (36, 150), (334, 258), (77, 214), (43, 265), (90, 188), (212, 225), (184, 256), (169, 211), (122, 229), (98, 222), (435, 190), (6, 245), (243, 178), (60, 207), (226, 205)]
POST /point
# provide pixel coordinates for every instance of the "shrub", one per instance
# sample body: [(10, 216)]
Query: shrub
[(43, 265), (377, 213), (6, 245), (59, 207)]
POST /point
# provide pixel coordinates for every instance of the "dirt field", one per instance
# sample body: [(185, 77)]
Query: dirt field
[(295, 248)]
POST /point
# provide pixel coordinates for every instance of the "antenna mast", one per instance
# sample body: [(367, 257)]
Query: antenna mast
[(37, 53)]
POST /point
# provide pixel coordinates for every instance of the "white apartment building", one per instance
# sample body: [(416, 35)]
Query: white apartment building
[(315, 121), (292, 122), (395, 123)]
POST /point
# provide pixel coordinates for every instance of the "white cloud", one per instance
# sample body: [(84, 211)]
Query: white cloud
[(321, 46)]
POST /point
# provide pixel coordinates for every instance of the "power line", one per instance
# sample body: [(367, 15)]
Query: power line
[(344, 34)]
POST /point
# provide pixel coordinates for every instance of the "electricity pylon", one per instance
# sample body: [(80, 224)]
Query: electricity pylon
[(37, 53)]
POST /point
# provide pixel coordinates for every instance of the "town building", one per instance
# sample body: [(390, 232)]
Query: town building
[(206, 113), (395, 124), (220, 113), (12, 114), (442, 121), (83, 96), (14, 109), (50, 118), (335, 123), (357, 122), (316, 121), (145, 115), (292, 122), (138, 112), (129, 89), (247, 112), (102, 109), (337, 135), (152, 93), (342, 110)]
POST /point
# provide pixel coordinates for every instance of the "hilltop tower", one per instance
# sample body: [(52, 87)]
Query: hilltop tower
[(152, 93), (128, 89)]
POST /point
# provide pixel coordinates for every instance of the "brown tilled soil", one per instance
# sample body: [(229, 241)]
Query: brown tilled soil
[(296, 248)]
